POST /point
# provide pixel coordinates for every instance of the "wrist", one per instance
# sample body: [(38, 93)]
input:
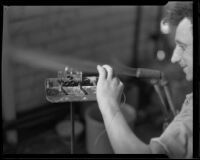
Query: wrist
[(109, 109)]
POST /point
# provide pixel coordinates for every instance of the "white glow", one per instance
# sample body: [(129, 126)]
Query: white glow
[(164, 27), (161, 55), (66, 68)]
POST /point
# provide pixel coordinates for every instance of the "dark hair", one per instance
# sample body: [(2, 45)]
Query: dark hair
[(178, 11)]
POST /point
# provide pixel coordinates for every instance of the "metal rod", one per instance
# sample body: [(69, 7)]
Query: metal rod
[(169, 99), (136, 36), (8, 95), (23, 123), (168, 96), (72, 128), (158, 91), (32, 116)]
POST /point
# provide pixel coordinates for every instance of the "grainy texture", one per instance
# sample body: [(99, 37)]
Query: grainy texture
[(96, 33)]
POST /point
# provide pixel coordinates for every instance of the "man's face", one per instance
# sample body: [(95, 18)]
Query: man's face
[(183, 52)]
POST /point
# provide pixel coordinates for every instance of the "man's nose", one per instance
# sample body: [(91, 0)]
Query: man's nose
[(175, 56)]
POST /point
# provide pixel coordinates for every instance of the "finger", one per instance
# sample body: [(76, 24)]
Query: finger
[(102, 73), (121, 83), (116, 81), (109, 70)]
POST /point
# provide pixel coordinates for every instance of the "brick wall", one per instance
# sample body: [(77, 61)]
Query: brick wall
[(96, 33)]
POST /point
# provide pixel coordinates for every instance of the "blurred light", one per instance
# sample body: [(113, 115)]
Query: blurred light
[(164, 27), (161, 55), (66, 68)]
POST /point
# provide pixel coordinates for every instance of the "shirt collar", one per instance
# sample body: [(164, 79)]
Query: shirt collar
[(188, 96)]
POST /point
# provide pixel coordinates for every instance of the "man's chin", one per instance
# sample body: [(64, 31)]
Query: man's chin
[(189, 77)]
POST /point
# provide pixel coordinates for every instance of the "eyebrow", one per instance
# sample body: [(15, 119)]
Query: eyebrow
[(179, 42)]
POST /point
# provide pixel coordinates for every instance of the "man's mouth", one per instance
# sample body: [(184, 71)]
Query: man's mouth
[(184, 68)]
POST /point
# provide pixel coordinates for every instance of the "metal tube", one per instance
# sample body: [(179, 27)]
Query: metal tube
[(136, 35), (158, 91), (25, 122), (169, 99), (8, 96), (32, 116), (168, 96), (72, 128)]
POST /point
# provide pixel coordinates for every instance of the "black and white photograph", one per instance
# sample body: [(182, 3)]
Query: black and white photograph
[(98, 79)]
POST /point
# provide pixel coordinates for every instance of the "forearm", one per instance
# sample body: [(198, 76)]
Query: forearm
[(109, 91), (122, 139)]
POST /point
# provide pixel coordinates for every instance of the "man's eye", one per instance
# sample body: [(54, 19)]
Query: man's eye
[(182, 47)]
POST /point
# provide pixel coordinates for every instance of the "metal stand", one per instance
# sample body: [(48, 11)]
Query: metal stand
[(166, 106), (72, 128), (158, 91), (168, 96)]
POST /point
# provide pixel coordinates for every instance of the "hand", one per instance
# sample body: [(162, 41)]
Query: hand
[(109, 88)]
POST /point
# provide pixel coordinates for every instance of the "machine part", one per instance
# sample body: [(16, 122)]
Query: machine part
[(72, 128), (71, 87)]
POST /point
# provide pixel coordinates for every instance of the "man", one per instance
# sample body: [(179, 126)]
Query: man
[(177, 139)]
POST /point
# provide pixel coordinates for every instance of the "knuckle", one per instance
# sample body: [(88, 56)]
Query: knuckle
[(108, 67), (102, 72), (111, 70), (115, 80)]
